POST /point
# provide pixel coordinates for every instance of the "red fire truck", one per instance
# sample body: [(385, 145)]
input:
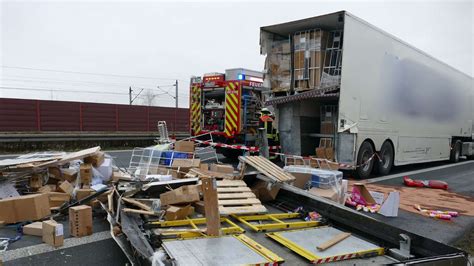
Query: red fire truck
[(229, 107)]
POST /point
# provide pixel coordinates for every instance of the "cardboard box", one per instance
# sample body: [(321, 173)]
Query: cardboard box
[(86, 173), (199, 207), (184, 146), (222, 168), (53, 233), (361, 194), (294, 161), (56, 199), (54, 172), (186, 163), (325, 193), (165, 171), (183, 166), (47, 188), (183, 194), (33, 229), (96, 159), (299, 60), (325, 153), (36, 181), (204, 166), (24, 208), (66, 187), (264, 192), (327, 127), (80, 220), (69, 174), (301, 179), (84, 192), (178, 212)]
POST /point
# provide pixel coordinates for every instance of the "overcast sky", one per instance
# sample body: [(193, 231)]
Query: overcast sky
[(150, 44)]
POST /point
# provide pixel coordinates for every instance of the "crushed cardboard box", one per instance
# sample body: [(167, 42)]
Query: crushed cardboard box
[(96, 159), (33, 229), (184, 146), (56, 199), (66, 187), (222, 168), (174, 212), (53, 233), (24, 208), (183, 194), (265, 191)]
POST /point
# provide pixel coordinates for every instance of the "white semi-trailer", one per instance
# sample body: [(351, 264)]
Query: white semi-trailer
[(391, 99)]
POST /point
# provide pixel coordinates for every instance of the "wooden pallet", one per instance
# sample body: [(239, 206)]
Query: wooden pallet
[(195, 172), (234, 197), (267, 168)]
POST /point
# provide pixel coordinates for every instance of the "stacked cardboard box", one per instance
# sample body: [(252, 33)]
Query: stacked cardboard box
[(278, 65), (308, 58)]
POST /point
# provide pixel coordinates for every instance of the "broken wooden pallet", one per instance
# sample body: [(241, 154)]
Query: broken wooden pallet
[(267, 168), (234, 197)]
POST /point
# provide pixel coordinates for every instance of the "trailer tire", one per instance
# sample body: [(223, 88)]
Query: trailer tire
[(455, 152), (365, 152), (386, 154)]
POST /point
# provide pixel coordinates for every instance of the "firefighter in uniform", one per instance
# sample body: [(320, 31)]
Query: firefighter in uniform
[(266, 121)]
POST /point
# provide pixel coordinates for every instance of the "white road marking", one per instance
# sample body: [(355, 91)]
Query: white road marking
[(44, 248), (373, 180)]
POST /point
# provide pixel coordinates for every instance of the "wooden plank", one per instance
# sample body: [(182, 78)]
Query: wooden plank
[(233, 189), (211, 207), (257, 167), (260, 165), (78, 155), (333, 241), (202, 172), (275, 168), (127, 210), (282, 174), (270, 167), (231, 183), (240, 195), (137, 203), (228, 202), (242, 210)]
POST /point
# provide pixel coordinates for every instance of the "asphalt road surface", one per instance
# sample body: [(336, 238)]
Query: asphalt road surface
[(100, 248)]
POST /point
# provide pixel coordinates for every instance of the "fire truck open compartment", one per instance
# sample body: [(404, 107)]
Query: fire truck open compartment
[(213, 109)]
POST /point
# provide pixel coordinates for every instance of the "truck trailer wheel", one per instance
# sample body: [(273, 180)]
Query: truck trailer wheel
[(384, 165), (365, 152), (455, 152)]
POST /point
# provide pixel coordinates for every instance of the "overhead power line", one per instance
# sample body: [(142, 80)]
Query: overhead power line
[(65, 81), (66, 90), (86, 73)]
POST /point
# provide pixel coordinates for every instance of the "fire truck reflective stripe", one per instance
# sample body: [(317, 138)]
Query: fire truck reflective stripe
[(234, 101), (231, 121), (231, 112), (196, 110), (231, 109)]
